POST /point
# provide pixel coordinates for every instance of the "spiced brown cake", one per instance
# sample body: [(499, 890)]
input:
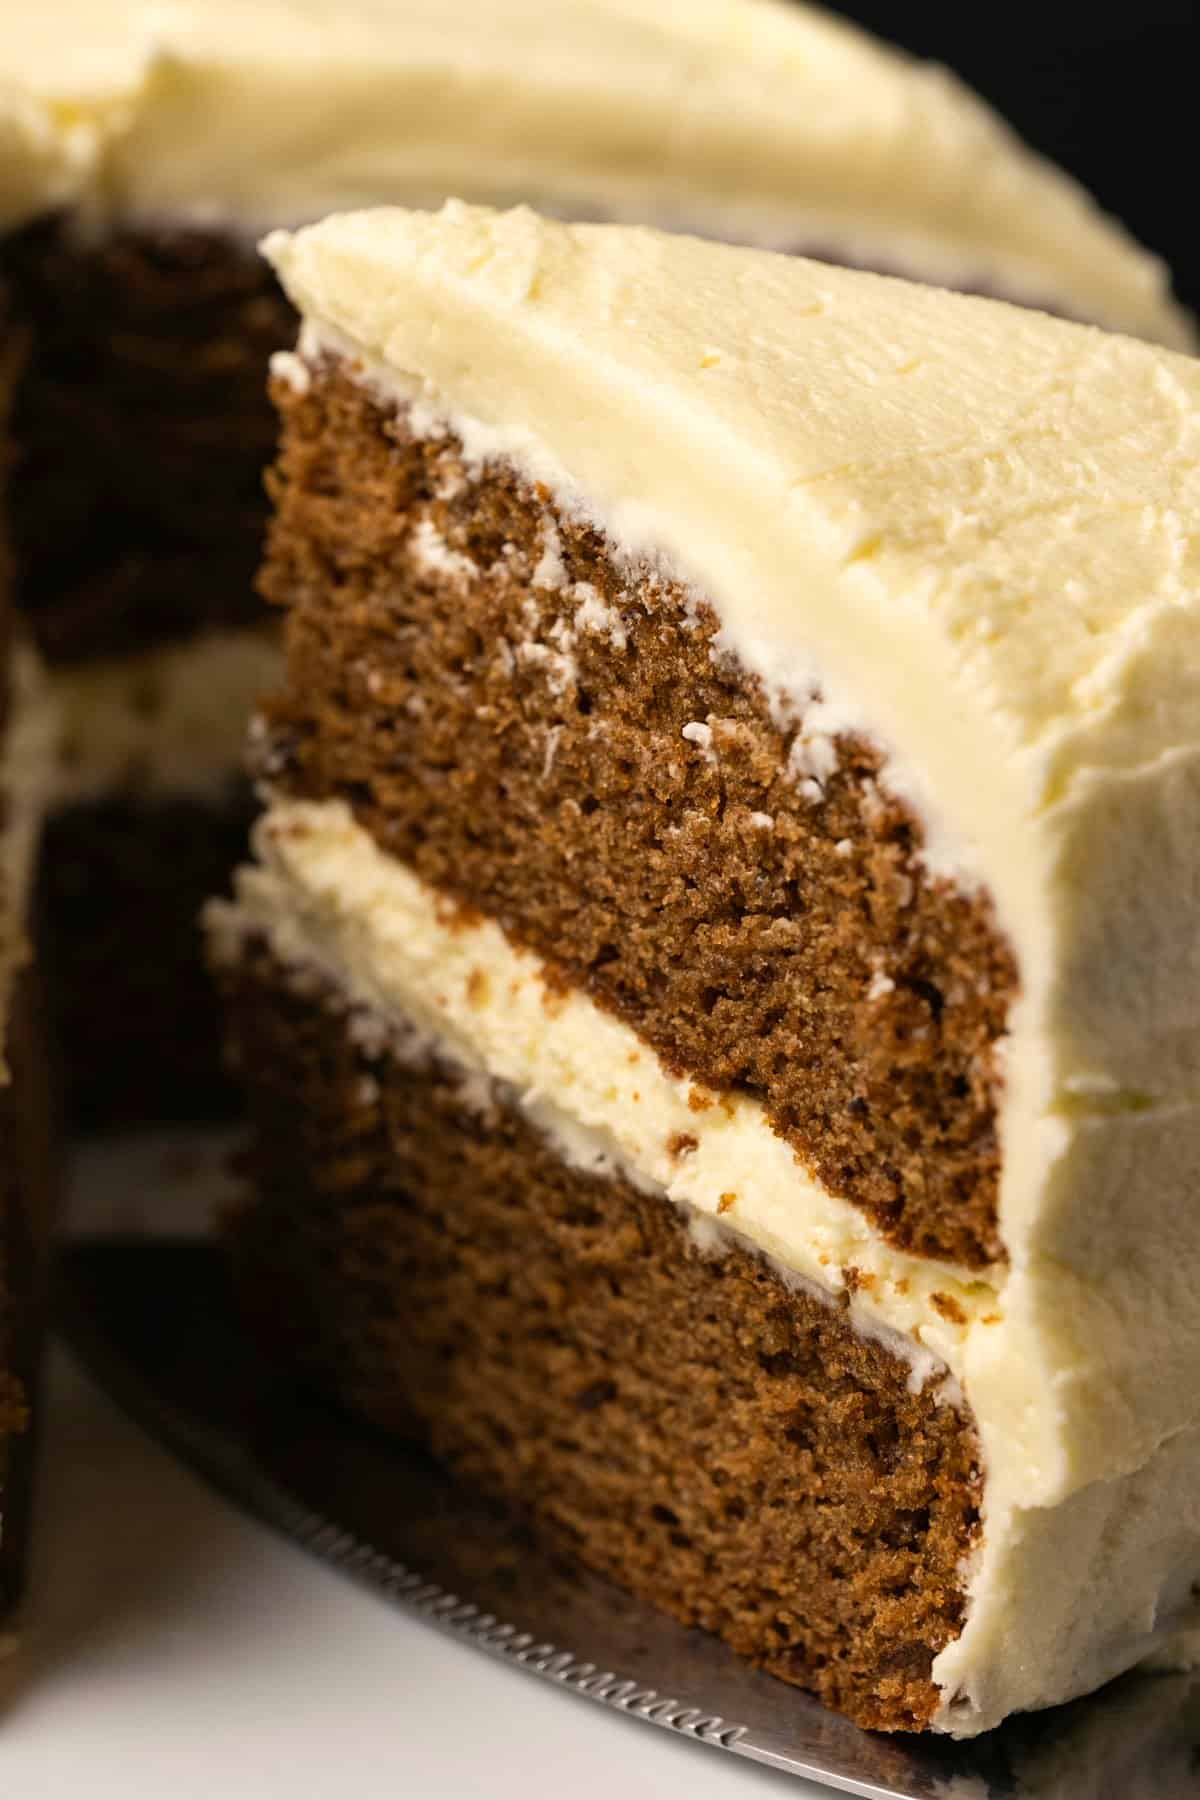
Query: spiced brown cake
[(716, 989), (26, 1163), (144, 152)]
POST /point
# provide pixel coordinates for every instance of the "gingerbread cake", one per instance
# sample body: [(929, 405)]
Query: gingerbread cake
[(146, 150), (717, 986), (27, 750)]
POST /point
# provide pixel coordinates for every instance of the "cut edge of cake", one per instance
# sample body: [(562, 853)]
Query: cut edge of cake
[(29, 1174), (143, 155), (889, 478)]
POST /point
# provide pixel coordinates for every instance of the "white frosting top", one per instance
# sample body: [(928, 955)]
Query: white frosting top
[(754, 120), (974, 530), (28, 753)]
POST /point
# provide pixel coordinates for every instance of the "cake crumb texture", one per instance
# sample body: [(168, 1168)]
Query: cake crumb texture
[(725, 1446), (137, 503), (140, 1024), (816, 966)]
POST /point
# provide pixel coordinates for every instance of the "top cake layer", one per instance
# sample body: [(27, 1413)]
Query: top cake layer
[(745, 119), (970, 527), (586, 535), (969, 531)]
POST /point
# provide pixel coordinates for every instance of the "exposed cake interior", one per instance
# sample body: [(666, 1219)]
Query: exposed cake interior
[(137, 504), (553, 733), (27, 1197), (686, 1419), (557, 908), (138, 511), (151, 810), (132, 198), (21, 1130), (122, 882), (28, 746), (710, 683)]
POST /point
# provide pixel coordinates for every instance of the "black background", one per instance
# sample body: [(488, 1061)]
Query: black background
[(1109, 92)]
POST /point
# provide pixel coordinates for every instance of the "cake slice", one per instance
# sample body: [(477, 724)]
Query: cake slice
[(146, 148), (718, 988)]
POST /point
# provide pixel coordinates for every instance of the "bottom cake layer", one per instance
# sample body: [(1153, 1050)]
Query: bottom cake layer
[(678, 1413), (123, 879), (27, 1193)]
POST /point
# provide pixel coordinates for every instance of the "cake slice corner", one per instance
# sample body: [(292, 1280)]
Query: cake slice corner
[(716, 984)]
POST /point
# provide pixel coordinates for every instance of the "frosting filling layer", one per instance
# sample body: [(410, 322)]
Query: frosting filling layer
[(860, 500), (337, 913), (921, 499), (164, 722), (137, 506), (969, 530), (716, 1438), (323, 895), (505, 700)]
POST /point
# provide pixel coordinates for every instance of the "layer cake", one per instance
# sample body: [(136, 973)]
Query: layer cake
[(717, 989), (147, 148), (28, 748)]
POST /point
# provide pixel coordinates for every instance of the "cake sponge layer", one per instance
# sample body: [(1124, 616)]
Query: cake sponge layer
[(397, 1185), (506, 702), (327, 901), (137, 505), (952, 533), (1087, 1552), (688, 1423), (167, 723), (963, 528)]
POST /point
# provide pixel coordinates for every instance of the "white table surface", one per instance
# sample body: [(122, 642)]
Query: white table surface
[(176, 1650)]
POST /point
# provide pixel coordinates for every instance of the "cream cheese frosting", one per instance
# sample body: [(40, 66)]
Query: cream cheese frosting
[(754, 120), (970, 529), (325, 897), (165, 721), (1085, 1587)]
